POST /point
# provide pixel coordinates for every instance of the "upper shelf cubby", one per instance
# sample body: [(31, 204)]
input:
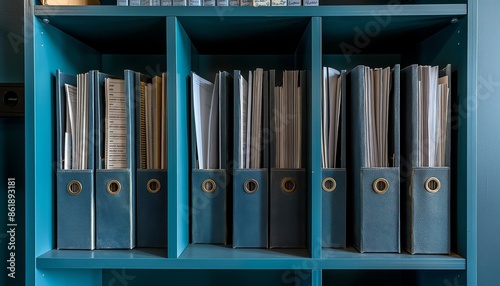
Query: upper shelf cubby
[(245, 35), (388, 34), (114, 34)]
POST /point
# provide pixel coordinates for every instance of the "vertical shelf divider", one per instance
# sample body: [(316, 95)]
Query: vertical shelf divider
[(178, 67)]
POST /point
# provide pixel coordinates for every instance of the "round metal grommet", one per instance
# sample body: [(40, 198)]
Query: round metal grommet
[(153, 186), (329, 184), (250, 186), (113, 187), (288, 185), (432, 185), (74, 187), (380, 185), (208, 186)]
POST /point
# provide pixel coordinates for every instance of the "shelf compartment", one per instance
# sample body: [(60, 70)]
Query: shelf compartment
[(199, 49), (351, 259), (380, 34), (113, 34)]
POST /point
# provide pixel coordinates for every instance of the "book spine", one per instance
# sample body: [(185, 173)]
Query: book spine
[(135, 3), (122, 3), (262, 3), (222, 2), (279, 3), (294, 3), (234, 2), (195, 2), (311, 2), (166, 2), (208, 2), (246, 3), (179, 3)]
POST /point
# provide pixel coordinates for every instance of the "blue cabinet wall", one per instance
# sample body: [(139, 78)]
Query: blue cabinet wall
[(483, 196)]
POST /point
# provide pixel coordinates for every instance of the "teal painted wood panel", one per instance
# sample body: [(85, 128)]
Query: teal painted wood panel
[(369, 277), (54, 50), (179, 66), (488, 136), (199, 277), (351, 259), (308, 57), (63, 277)]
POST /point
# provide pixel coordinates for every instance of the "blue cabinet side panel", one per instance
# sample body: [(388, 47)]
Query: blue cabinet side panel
[(179, 66), (54, 50), (488, 134)]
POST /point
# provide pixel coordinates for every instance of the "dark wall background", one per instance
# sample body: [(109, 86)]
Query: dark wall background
[(12, 137)]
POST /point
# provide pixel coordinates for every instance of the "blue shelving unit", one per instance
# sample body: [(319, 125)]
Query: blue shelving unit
[(206, 39)]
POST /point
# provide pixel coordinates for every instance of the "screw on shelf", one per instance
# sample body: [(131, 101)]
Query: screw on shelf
[(454, 20), (46, 21)]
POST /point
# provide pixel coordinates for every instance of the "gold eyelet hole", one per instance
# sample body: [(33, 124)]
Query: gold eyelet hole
[(288, 185), (329, 184), (208, 186), (74, 187), (250, 186), (153, 186), (380, 186), (113, 187), (432, 185)]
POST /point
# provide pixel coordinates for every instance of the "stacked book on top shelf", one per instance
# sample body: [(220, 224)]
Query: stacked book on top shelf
[(255, 3)]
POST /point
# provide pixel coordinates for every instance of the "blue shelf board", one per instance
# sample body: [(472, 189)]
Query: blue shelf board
[(351, 259), (225, 257), (197, 251), (204, 256), (319, 11), (97, 259)]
